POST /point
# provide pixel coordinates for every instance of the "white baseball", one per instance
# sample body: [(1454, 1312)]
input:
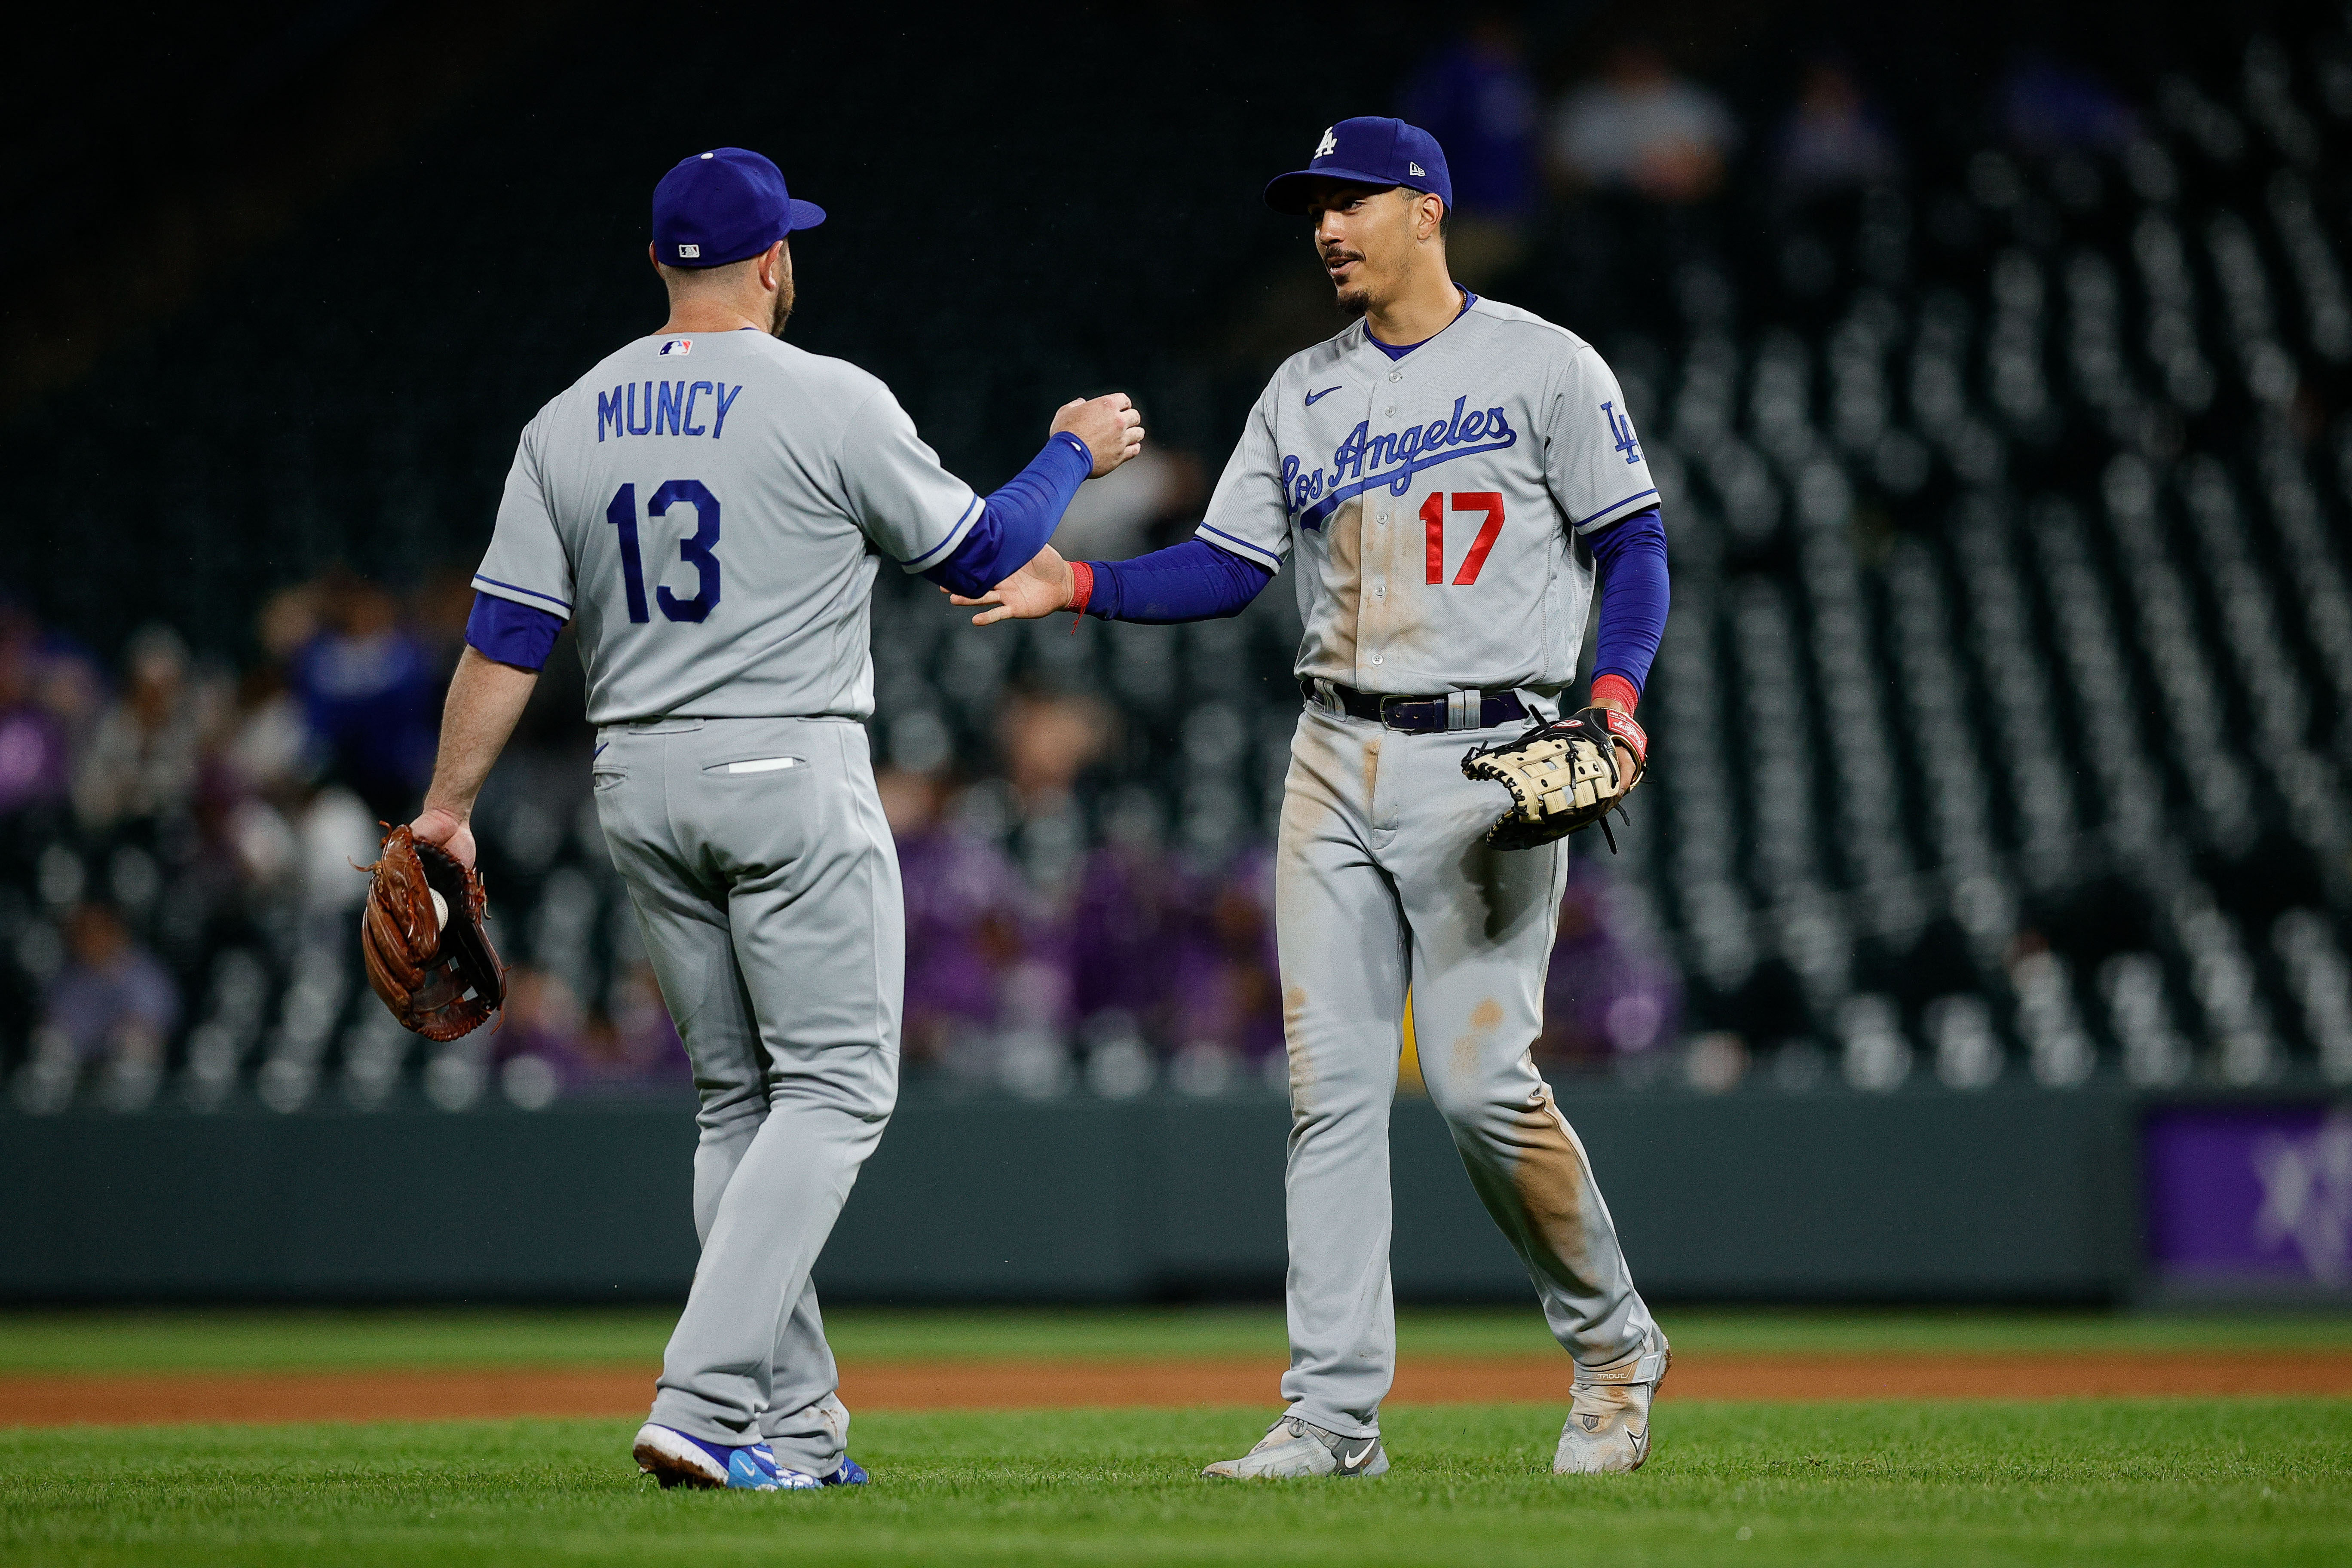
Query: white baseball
[(440, 911)]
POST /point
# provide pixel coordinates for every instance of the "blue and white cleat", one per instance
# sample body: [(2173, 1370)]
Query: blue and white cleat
[(675, 1459), (851, 1474)]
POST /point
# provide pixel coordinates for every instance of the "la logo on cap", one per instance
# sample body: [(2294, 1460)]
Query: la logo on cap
[(1329, 146)]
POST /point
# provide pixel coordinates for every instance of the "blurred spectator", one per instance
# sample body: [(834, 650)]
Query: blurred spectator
[(966, 924), (35, 767), (1124, 514), (1126, 926), (2046, 107), (1607, 997), (112, 1003), (1226, 986), (637, 1046), (1832, 140), (1642, 128), (1047, 742), (1478, 97), (367, 686), (141, 763)]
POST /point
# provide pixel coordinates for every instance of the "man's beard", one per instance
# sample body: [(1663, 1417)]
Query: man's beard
[(1351, 306), (782, 310)]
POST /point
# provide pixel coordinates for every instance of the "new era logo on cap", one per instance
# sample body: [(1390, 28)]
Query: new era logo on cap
[(1373, 151)]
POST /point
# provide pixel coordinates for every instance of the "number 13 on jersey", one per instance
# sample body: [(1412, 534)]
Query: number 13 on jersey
[(697, 550), (1432, 519)]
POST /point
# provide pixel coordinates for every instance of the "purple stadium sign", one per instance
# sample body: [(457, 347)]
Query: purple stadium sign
[(2250, 1195)]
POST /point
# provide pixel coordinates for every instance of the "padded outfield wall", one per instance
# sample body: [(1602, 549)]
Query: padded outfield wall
[(1995, 1196)]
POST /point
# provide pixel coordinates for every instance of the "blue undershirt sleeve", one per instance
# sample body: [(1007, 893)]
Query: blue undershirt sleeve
[(519, 635), (1016, 522), (1194, 581), (1631, 554)]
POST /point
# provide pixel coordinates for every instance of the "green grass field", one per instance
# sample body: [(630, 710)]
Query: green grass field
[(2136, 1481), (251, 1340)]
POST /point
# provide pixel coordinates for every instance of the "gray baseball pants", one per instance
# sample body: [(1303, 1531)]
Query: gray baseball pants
[(1381, 880), (767, 887)]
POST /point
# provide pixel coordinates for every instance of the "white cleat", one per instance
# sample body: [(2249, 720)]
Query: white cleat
[(1608, 1430), (1292, 1448)]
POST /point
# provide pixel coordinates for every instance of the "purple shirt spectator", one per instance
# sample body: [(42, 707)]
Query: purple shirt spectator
[(966, 929), (1125, 927), (112, 995), (1226, 984), (1606, 995)]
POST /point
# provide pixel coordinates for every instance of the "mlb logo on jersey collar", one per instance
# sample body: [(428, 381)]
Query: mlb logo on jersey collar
[(679, 346)]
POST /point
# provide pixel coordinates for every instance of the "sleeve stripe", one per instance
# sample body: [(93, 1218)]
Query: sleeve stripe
[(1615, 507), (1254, 550), (946, 547), (513, 588)]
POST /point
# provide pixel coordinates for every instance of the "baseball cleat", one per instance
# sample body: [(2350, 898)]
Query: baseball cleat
[(1607, 1428), (675, 1459), (1292, 1448), (851, 1474)]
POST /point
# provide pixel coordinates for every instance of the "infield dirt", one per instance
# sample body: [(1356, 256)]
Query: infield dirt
[(498, 1392)]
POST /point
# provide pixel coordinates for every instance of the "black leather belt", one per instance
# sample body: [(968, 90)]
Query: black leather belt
[(1419, 715)]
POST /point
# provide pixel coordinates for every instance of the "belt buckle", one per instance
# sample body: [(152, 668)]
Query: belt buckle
[(1387, 723)]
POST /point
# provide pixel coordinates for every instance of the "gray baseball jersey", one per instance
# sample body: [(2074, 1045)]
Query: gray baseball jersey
[(709, 508), (1437, 507), (1437, 504)]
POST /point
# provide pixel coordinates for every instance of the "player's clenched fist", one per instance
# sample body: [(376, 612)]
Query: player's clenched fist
[(1110, 425)]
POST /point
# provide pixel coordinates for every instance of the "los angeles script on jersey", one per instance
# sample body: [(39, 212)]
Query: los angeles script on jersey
[(1365, 461), (667, 408)]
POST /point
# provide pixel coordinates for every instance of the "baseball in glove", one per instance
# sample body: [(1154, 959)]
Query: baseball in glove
[(1563, 776), (422, 937)]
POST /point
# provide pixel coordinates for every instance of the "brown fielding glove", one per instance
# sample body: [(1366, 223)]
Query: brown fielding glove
[(1563, 776), (442, 981)]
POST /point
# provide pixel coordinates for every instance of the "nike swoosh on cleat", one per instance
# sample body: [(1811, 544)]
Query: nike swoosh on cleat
[(1313, 397), (1359, 1456)]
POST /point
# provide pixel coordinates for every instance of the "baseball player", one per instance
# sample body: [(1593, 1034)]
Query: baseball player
[(1445, 476), (709, 506)]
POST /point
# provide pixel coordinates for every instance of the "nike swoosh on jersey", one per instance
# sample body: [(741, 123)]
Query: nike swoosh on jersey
[(1313, 397)]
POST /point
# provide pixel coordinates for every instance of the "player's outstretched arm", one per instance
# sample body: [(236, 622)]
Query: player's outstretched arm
[(1194, 581), (486, 700), (1038, 589)]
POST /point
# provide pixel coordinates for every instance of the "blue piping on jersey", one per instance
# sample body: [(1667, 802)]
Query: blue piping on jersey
[(1244, 545), (534, 593), (1015, 521), (954, 537), (1614, 505), (1398, 481)]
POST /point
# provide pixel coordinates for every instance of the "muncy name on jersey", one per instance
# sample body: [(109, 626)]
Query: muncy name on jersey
[(1366, 462), (667, 408)]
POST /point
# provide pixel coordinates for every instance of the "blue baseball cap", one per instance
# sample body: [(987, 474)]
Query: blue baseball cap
[(1370, 150), (724, 205)]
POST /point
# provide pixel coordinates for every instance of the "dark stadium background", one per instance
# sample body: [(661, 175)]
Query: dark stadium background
[(1996, 859)]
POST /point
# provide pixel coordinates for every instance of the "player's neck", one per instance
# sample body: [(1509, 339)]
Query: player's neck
[(706, 316), (1424, 308)]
